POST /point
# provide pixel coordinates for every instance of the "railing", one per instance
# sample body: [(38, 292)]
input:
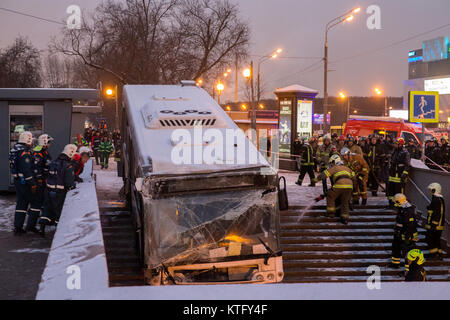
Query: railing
[(416, 191)]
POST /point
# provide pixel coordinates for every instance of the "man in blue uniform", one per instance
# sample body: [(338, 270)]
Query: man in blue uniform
[(42, 161), (21, 163), (60, 179)]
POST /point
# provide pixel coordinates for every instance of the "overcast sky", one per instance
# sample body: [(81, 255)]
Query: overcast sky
[(298, 26)]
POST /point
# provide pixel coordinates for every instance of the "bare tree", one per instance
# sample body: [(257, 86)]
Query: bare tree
[(157, 41), (20, 65)]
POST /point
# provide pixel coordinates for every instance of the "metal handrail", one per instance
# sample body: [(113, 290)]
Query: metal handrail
[(434, 163)]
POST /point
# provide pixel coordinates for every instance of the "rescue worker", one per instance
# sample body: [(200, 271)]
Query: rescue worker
[(388, 146), (323, 158), (413, 149), (314, 143), (445, 154), (375, 159), (95, 143), (105, 149), (416, 270), (352, 146), (61, 179), (432, 154), (80, 142), (405, 230), (42, 160), (435, 221), (398, 170), (118, 159), (21, 163), (363, 143), (341, 188), (341, 143), (306, 163), (78, 162), (334, 139), (360, 170)]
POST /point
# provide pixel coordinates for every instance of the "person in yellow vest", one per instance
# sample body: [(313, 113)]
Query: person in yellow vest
[(341, 187), (360, 168)]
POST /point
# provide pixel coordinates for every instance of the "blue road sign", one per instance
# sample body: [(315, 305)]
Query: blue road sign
[(424, 106)]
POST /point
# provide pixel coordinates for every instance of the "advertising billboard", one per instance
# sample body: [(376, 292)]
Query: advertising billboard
[(424, 106), (441, 85), (304, 118), (318, 118), (285, 126)]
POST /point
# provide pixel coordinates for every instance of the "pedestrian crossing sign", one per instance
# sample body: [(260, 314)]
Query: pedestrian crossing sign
[(424, 106)]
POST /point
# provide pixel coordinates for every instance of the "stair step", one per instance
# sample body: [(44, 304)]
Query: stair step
[(339, 247), (356, 279), (352, 219), (339, 239), (331, 263), (377, 212)]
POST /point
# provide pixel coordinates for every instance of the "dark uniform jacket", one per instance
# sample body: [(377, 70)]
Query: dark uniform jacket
[(375, 155), (414, 151), (405, 222), (96, 140), (432, 153), (399, 165), (445, 155), (436, 214), (323, 155), (61, 174), (307, 155), (416, 273), (22, 163), (42, 161)]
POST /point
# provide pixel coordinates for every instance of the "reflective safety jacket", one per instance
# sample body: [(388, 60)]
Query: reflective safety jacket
[(358, 165), (436, 214), (60, 175), (307, 155), (323, 154), (340, 176), (405, 222), (399, 165), (106, 146), (21, 163), (42, 160)]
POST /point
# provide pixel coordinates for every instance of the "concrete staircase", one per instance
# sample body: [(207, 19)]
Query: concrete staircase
[(121, 256), (320, 249)]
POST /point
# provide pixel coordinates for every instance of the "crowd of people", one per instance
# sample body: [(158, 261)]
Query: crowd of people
[(356, 165), (42, 183)]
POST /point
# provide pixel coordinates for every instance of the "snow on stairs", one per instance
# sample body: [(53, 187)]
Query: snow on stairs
[(121, 256), (320, 249)]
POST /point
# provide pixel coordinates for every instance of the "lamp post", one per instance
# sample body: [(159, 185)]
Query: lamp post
[(274, 55), (342, 96), (379, 92), (336, 21), (113, 93), (248, 74)]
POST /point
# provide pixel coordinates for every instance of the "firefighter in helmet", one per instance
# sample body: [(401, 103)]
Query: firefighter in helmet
[(416, 270), (306, 162), (323, 157), (405, 230), (341, 187), (435, 221), (360, 170), (399, 165), (352, 146)]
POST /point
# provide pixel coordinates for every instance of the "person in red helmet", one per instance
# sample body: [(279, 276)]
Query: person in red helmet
[(398, 170)]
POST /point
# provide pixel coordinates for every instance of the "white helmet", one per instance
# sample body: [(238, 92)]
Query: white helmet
[(44, 139), (345, 151), (26, 138), (435, 188), (70, 150), (335, 159), (84, 150)]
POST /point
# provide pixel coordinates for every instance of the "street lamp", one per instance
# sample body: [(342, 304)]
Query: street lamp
[(112, 93), (379, 92), (273, 55), (220, 88), (248, 74), (342, 96), (348, 16)]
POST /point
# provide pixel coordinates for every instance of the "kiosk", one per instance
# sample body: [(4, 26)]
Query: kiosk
[(295, 105)]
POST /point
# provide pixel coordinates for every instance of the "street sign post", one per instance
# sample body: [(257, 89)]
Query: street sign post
[(424, 108)]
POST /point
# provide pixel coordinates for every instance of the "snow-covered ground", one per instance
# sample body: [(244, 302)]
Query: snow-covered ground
[(7, 207)]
